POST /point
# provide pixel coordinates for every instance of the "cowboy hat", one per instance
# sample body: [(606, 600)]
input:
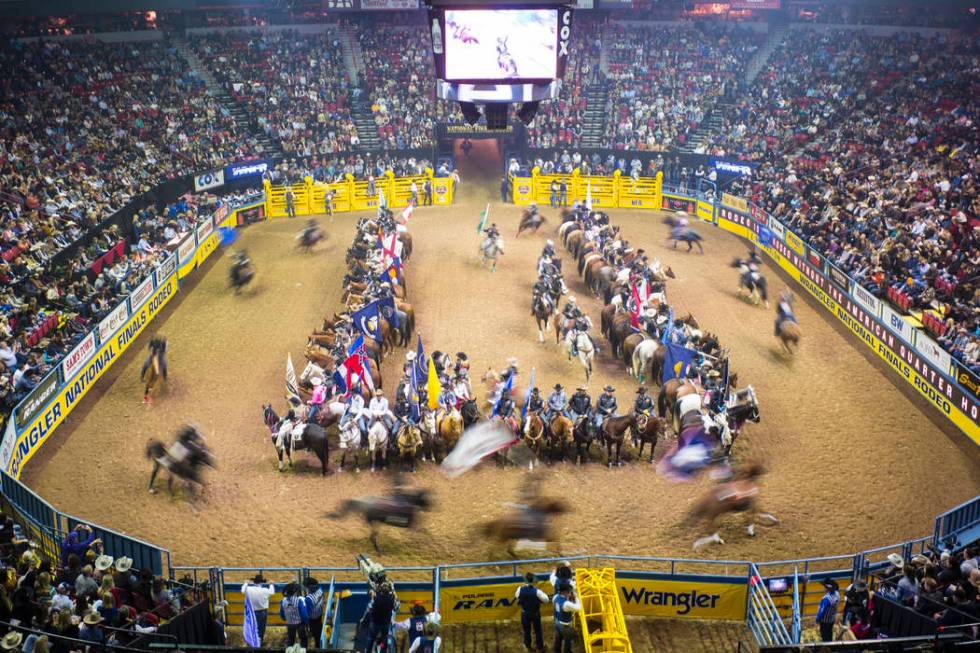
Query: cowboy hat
[(609, 388), (582, 388), (124, 564), (11, 641), (919, 559), (831, 585), (103, 562), (378, 392), (641, 390), (93, 618), (896, 560), (512, 361), (558, 386), (316, 381)]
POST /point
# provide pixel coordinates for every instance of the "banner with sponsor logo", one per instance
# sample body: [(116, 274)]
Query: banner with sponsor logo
[(35, 400), (205, 230), (486, 602), (389, 5), (165, 269), (252, 213), (813, 257), (32, 435), (733, 167), (865, 298), (735, 202), (934, 353), (185, 251), (523, 190), (679, 203), (706, 211), (838, 277), (111, 322), (78, 356), (898, 324), (245, 169), (777, 228), (794, 242), (141, 294), (966, 379), (695, 599), (207, 180)]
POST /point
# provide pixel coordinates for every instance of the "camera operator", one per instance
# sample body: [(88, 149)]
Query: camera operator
[(563, 572), (565, 605), (380, 611)]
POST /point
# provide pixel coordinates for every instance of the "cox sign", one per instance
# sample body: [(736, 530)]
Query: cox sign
[(207, 180)]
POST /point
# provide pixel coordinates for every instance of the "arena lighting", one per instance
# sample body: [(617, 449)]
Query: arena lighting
[(496, 115), (470, 113), (528, 111)]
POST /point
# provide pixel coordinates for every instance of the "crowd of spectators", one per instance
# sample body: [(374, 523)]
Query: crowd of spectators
[(868, 149), (361, 166), (293, 85), (665, 79)]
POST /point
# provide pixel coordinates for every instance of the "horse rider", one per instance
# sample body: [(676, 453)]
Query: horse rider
[(784, 309), (285, 428), (643, 405), (461, 385), (713, 391), (240, 262), (505, 409), (605, 405), (535, 404), (310, 230), (318, 397), (447, 398), (462, 366), (549, 249), (580, 405), (403, 411), (378, 410), (540, 289), (557, 403), (357, 411), (571, 312), (580, 326), (492, 232)]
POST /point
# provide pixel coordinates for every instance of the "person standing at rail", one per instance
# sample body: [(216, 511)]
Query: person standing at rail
[(257, 593), (314, 608), (530, 598), (290, 202), (292, 609), (565, 605), (827, 612)]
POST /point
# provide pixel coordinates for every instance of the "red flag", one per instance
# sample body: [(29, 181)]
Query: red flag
[(635, 311)]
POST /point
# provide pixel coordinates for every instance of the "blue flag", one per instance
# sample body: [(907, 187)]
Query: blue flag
[(228, 235), (527, 395), (367, 321), (250, 627), (677, 360), (394, 272), (356, 345), (669, 329), (420, 367), (508, 387), (387, 307)]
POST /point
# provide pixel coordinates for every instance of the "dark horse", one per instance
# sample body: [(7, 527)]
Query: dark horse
[(529, 523), (184, 459), (242, 272), (584, 434), (752, 281), (614, 433), (313, 438), (470, 412), (154, 367), (309, 237), (530, 221), (685, 235), (399, 510), (648, 429)]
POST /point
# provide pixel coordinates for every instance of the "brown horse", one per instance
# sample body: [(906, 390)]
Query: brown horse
[(648, 429), (738, 495), (560, 435), (530, 524), (789, 334), (449, 427), (530, 221), (409, 440), (671, 391), (614, 433), (534, 433)]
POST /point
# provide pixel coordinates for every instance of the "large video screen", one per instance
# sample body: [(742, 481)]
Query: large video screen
[(501, 44)]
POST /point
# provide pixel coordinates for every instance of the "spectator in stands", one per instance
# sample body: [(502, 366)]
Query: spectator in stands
[(91, 629), (827, 611), (257, 592)]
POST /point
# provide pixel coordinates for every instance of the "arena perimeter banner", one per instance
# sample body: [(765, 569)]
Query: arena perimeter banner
[(472, 603), (32, 436), (681, 599)]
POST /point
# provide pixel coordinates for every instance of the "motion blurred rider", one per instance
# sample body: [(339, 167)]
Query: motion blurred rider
[(540, 289), (784, 309)]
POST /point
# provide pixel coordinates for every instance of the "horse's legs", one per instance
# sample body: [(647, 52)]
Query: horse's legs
[(700, 248), (619, 450), (170, 483), (653, 447), (374, 537), (153, 476)]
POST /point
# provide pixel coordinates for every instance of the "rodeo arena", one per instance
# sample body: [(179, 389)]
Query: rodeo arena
[(488, 326)]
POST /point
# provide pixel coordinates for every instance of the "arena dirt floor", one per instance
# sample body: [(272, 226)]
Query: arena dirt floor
[(855, 460)]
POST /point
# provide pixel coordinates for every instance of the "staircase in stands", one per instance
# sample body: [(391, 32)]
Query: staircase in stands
[(245, 123), (360, 109), (594, 121)]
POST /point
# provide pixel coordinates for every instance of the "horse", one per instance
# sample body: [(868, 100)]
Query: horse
[(752, 282), (470, 413), (450, 427), (583, 433), (648, 358), (490, 250), (241, 273), (685, 235), (303, 435), (400, 512), (154, 367), (534, 433), (648, 429), (433, 446), (614, 433), (560, 435), (582, 342), (738, 495), (409, 440), (350, 440), (184, 459), (309, 237), (378, 444), (789, 336), (530, 220), (543, 309), (531, 523)]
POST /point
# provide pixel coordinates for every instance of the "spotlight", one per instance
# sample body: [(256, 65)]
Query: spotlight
[(470, 113), (496, 115), (528, 111)]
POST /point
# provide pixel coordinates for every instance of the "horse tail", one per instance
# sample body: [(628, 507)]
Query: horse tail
[(662, 400)]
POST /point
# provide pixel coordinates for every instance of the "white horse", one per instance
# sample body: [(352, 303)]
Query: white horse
[(586, 350), (312, 371), (350, 439), (378, 443), (643, 357), (490, 250)]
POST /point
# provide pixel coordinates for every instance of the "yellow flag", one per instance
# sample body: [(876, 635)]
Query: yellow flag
[(432, 387)]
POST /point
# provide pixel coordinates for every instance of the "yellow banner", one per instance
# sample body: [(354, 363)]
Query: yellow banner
[(794, 242), (682, 599), (472, 603), (522, 190), (205, 249), (442, 191), (734, 202), (705, 211), (31, 439)]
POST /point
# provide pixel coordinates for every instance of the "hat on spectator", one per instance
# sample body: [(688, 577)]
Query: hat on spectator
[(919, 559), (64, 587), (93, 618), (896, 560), (11, 641), (103, 562), (831, 585), (124, 564)]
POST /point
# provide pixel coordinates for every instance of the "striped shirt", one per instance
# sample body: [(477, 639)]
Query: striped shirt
[(314, 603), (827, 612)]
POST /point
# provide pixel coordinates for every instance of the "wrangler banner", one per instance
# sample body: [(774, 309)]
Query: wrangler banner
[(471, 603), (32, 436), (682, 599)]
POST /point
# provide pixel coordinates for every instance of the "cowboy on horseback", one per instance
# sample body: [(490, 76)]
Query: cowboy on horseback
[(491, 232), (549, 249), (580, 405), (605, 405), (534, 406), (784, 309), (403, 412), (541, 291), (379, 411), (557, 403), (643, 405), (447, 398)]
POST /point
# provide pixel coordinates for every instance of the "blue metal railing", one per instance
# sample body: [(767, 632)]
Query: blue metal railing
[(797, 628), (762, 617), (327, 605), (959, 526)]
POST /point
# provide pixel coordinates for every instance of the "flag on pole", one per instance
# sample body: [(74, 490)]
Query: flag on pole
[(381, 199), (348, 372), (677, 360), (393, 274), (508, 388), (291, 385), (476, 443), (250, 628), (527, 395), (420, 369), (588, 196), (483, 219), (407, 213), (432, 386), (669, 329), (367, 320), (635, 308)]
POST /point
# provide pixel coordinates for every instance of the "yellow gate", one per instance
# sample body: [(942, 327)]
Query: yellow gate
[(601, 619)]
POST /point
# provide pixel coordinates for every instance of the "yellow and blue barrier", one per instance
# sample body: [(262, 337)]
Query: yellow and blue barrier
[(605, 192)]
